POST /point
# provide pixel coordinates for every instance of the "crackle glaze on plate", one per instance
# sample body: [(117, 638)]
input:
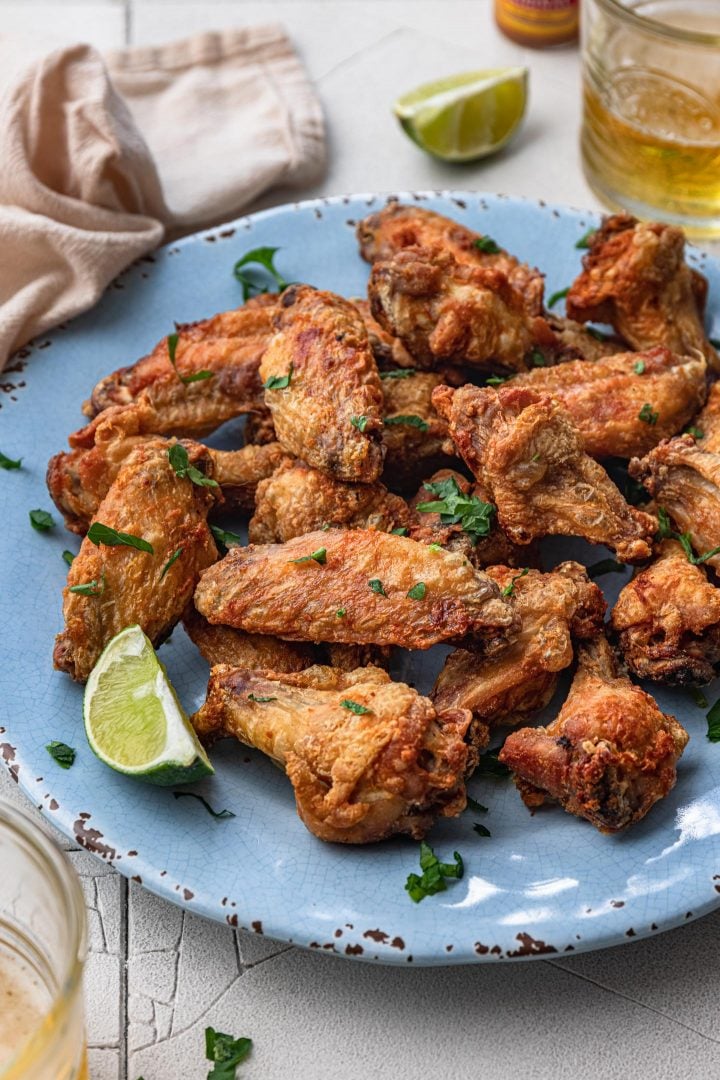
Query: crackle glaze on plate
[(540, 884)]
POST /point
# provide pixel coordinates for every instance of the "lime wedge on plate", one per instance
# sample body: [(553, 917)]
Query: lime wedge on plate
[(465, 117), (133, 719)]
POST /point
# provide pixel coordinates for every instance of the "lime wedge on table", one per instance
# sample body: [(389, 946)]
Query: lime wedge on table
[(133, 719), (465, 117)]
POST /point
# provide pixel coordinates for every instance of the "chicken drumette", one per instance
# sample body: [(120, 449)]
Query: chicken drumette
[(368, 758), (609, 756), (528, 455)]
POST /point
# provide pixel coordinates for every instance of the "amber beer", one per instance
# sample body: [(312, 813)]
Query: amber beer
[(651, 99)]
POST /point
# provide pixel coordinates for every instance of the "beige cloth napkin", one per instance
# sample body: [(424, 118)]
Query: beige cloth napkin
[(101, 158)]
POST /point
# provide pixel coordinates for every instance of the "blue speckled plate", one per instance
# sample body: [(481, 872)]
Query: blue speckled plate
[(540, 884)]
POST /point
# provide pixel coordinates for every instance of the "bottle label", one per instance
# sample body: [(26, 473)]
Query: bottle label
[(537, 18)]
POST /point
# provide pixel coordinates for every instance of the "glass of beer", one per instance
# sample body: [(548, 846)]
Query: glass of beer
[(651, 115), (42, 952)]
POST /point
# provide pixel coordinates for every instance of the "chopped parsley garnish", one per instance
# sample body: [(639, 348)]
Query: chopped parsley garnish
[(434, 874), (180, 462), (279, 382), (225, 538), (172, 344), (341, 613), (41, 521), (487, 245), (417, 592), (9, 463), (400, 531), (265, 258), (665, 528), (537, 359), (220, 815), (377, 586), (559, 295), (481, 830), (454, 508), (586, 240), (68, 557), (398, 373), (698, 697), (197, 376), (605, 566), (666, 532), (104, 534), (89, 588), (173, 558), (359, 422), (536, 456), (639, 367), (473, 804), (695, 432), (510, 588), (354, 707), (319, 556), (496, 380), (227, 1053), (648, 414), (409, 421), (489, 765), (713, 722), (597, 334), (635, 493), (60, 752), (435, 547), (260, 700)]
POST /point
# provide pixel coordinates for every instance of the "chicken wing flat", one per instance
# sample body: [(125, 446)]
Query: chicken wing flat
[(446, 312), (609, 756), (239, 472), (353, 586), (324, 390), (448, 529), (667, 620), (228, 345), (635, 277), (553, 608), (367, 758), (685, 481), (708, 422), (225, 645), (624, 405), (119, 586), (396, 227), (529, 456), (414, 434), (297, 500)]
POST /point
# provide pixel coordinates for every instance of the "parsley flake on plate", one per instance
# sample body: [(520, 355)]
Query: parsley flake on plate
[(408, 421), (41, 521), (586, 240), (377, 586), (713, 722), (481, 830), (468, 511), (490, 765), (400, 531), (103, 534), (434, 874), (61, 753), (225, 538), (398, 373), (417, 592), (9, 463), (219, 815), (605, 566), (263, 257), (698, 697), (559, 295), (180, 462), (487, 245), (226, 1053), (68, 557), (473, 804)]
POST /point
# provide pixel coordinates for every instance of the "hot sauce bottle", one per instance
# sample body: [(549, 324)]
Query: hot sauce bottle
[(538, 23)]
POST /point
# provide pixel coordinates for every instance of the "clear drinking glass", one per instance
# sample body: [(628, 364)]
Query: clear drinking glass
[(42, 952), (651, 121)]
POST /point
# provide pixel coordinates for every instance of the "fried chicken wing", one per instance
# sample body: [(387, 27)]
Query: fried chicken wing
[(685, 481), (350, 657), (225, 645), (229, 345), (444, 311), (667, 620), (414, 434), (329, 412), (355, 590), (529, 456), (297, 499), (575, 342), (396, 227), (240, 472), (122, 585), (609, 756), (553, 608), (635, 277), (368, 758), (388, 351), (624, 405), (708, 422)]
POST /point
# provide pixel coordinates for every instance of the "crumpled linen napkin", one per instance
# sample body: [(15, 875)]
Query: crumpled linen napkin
[(100, 158)]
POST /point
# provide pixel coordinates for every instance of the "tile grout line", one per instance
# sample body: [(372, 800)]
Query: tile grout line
[(124, 955), (128, 21)]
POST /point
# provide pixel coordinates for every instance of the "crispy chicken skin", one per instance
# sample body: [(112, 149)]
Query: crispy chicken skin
[(529, 456), (239, 472), (225, 645), (575, 342), (321, 341), (667, 620), (411, 452), (553, 608), (388, 351), (606, 398), (609, 756), (357, 778), (449, 312), (262, 589), (229, 345), (150, 501), (427, 528), (708, 422), (635, 277), (384, 234), (685, 481), (297, 499)]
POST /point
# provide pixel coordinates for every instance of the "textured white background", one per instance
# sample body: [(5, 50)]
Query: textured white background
[(156, 976)]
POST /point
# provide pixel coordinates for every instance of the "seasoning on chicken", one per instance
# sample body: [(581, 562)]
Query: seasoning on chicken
[(610, 755), (225, 645), (368, 758)]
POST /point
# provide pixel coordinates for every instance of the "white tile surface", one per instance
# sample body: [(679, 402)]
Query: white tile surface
[(99, 22)]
